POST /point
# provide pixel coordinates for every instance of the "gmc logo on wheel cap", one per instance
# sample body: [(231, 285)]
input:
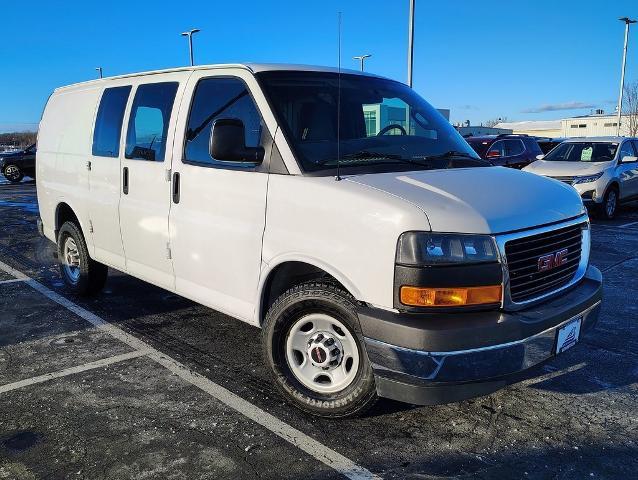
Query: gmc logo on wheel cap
[(553, 260)]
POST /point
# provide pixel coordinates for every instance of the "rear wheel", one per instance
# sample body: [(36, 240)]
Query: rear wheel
[(82, 274), (313, 344), (13, 173)]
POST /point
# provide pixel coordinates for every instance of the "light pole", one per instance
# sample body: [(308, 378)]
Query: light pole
[(189, 34), (99, 71), (628, 21), (411, 42), (361, 59)]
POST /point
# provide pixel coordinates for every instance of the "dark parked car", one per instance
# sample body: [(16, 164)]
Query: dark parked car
[(515, 151), (547, 144), (16, 165)]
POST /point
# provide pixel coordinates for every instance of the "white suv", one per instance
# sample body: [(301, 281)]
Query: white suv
[(338, 211), (604, 170)]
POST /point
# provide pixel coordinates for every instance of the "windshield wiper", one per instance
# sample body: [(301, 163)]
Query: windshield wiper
[(451, 154), (369, 155)]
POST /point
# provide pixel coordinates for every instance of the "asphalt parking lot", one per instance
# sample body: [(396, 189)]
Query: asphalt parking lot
[(139, 383)]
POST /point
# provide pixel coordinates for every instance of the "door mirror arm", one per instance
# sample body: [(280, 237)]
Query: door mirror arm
[(228, 142)]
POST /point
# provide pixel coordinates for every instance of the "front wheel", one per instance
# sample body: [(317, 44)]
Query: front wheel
[(610, 204), (13, 173), (313, 344), (82, 274)]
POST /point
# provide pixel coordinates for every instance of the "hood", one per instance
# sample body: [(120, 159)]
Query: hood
[(18, 153), (565, 169), (480, 200)]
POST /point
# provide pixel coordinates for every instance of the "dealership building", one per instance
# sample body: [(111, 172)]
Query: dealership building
[(598, 124)]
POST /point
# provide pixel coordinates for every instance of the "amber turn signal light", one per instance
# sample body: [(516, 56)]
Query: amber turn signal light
[(450, 297)]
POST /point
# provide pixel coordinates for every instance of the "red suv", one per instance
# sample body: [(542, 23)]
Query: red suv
[(506, 150)]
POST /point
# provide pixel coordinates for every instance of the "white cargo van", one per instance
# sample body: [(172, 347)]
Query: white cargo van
[(338, 211)]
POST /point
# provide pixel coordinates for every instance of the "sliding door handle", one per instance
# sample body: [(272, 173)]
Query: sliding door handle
[(176, 187), (125, 180)]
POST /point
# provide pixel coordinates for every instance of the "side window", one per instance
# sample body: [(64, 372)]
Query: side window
[(635, 143), (626, 151), (496, 148), (513, 148), (148, 122), (108, 124), (216, 98)]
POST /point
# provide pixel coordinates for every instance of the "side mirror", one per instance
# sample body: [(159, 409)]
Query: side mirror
[(228, 142), (540, 157), (628, 159), (493, 154)]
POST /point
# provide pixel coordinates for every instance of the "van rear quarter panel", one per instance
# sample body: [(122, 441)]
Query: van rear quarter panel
[(64, 147), (347, 229)]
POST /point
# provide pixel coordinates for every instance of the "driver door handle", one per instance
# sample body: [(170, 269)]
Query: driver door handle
[(125, 180), (176, 187)]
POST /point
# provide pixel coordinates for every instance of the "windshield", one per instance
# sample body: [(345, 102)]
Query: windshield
[(583, 152), (384, 125)]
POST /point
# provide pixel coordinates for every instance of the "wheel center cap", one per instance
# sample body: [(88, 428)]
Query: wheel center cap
[(324, 350), (318, 355)]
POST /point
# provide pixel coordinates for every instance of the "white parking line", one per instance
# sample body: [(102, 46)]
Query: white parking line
[(13, 280), (312, 447), (72, 370), (628, 225)]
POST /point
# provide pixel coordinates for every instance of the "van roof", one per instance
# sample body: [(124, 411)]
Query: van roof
[(252, 67)]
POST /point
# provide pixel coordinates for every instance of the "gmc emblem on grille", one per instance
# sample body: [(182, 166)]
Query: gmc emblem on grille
[(553, 260)]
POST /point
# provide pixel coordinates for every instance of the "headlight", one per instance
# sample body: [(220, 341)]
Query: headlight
[(424, 248), (587, 179)]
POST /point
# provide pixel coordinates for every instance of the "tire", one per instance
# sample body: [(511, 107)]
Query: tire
[(350, 390), (609, 206), (82, 275), (13, 173)]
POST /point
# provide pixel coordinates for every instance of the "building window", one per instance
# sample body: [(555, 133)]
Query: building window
[(611, 124), (371, 122)]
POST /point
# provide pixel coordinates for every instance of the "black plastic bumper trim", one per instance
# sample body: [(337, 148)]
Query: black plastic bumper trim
[(438, 332)]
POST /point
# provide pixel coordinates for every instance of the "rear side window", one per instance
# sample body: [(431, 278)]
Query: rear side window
[(220, 98), (148, 122), (498, 147), (513, 148), (108, 124)]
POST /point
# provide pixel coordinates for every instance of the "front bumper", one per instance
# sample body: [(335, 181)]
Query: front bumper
[(439, 358)]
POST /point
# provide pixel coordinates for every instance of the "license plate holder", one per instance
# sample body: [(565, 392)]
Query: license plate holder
[(568, 335)]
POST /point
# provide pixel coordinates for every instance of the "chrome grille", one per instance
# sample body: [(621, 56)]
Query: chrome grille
[(523, 255), (568, 180)]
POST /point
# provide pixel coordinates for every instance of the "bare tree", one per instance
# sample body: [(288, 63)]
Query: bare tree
[(494, 121), (17, 139), (630, 109)]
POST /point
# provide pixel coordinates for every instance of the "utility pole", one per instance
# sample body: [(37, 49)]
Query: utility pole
[(411, 42), (361, 59), (628, 21), (189, 34), (99, 71)]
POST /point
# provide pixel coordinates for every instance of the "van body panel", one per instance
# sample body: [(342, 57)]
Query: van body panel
[(104, 199), (216, 227), (351, 227), (145, 208), (65, 136)]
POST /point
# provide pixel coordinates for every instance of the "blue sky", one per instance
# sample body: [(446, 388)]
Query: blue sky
[(524, 60)]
